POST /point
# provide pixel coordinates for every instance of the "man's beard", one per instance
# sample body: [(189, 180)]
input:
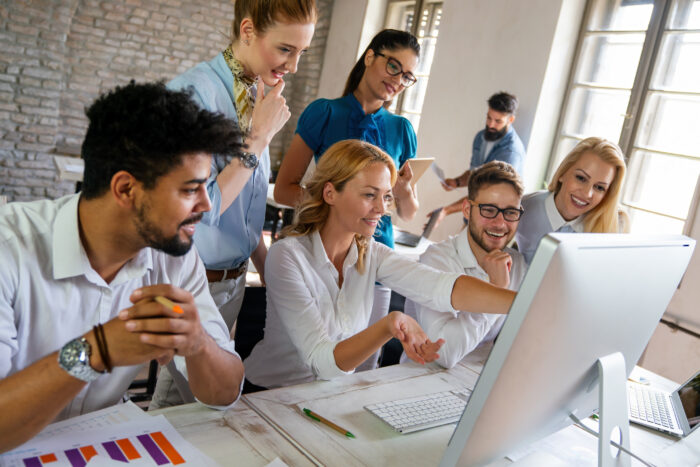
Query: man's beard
[(493, 135), (477, 239), (154, 237)]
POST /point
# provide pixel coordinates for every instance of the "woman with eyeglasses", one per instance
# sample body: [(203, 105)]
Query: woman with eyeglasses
[(320, 276), (583, 196), (383, 71)]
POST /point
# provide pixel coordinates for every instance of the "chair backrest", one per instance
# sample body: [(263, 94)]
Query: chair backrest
[(250, 324)]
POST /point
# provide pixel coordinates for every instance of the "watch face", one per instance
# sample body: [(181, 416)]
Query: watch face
[(73, 353), (249, 160), (74, 357)]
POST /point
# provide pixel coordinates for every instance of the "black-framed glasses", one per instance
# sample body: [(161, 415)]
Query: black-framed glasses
[(490, 211), (393, 67)]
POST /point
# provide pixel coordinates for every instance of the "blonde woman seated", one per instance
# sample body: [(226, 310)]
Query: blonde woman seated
[(583, 196), (320, 279)]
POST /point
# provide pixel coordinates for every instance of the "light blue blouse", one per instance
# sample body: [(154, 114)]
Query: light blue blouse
[(224, 240)]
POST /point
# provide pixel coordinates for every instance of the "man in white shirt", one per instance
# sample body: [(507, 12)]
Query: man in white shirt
[(79, 275), (493, 209)]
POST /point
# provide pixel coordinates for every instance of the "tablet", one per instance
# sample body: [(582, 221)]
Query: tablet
[(418, 166)]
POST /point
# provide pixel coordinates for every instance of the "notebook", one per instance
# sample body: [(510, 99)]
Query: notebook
[(409, 239), (676, 413)]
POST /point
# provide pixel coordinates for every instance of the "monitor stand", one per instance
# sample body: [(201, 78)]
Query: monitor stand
[(612, 377)]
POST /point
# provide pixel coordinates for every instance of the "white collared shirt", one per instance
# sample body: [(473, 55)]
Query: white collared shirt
[(556, 220), (462, 331), (308, 314), (50, 294)]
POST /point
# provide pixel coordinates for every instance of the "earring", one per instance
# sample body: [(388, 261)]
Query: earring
[(246, 42)]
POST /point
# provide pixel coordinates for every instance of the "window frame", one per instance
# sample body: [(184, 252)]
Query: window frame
[(639, 91), (418, 7)]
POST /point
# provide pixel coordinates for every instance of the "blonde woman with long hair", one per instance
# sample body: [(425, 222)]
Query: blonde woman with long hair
[(320, 279), (583, 196)]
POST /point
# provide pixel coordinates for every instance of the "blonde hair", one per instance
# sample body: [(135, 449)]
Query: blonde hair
[(338, 165), (606, 217), (264, 13)]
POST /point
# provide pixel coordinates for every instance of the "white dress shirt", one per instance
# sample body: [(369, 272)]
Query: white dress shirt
[(462, 331), (308, 314), (50, 294)]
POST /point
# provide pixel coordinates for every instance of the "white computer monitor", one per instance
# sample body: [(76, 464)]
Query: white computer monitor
[(585, 296)]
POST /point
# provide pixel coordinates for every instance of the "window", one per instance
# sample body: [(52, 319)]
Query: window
[(400, 16), (636, 81)]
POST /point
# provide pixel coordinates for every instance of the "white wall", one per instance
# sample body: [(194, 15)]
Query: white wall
[(524, 48), (353, 24), (344, 38)]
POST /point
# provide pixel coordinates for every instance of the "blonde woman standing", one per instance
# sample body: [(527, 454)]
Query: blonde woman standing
[(268, 38)]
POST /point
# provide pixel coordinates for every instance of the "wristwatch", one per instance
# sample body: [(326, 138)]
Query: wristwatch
[(74, 357), (248, 159)]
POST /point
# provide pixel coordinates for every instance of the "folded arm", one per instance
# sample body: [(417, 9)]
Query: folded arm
[(214, 375), (288, 190)]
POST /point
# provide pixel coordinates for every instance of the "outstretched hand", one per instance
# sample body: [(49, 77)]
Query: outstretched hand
[(413, 339), (449, 184)]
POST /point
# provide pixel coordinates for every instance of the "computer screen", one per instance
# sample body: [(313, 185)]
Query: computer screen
[(584, 296)]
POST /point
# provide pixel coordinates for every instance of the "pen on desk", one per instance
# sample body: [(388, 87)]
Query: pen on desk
[(325, 421), (168, 304)]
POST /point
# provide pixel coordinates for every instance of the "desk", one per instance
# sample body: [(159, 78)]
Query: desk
[(238, 436), (250, 439)]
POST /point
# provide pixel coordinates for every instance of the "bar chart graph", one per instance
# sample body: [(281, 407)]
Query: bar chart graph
[(150, 441), (150, 446)]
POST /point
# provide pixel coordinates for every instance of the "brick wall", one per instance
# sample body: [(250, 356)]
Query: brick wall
[(57, 56)]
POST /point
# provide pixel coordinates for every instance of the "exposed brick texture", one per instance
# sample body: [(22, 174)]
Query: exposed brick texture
[(57, 56)]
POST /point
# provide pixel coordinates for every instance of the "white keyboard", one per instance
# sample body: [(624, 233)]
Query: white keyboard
[(651, 407), (419, 413)]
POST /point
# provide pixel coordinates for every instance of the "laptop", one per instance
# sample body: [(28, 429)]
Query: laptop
[(676, 413), (412, 240)]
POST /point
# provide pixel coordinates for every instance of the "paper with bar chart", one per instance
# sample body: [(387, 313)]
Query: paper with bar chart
[(147, 441)]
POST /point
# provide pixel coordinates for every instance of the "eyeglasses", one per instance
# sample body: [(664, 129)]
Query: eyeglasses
[(489, 211), (393, 67)]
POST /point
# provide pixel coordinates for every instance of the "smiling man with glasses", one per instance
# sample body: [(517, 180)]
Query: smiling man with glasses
[(493, 209)]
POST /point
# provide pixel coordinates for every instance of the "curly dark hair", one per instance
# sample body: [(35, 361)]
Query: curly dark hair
[(504, 102), (146, 129)]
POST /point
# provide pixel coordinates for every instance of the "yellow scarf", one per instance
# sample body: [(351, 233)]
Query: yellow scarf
[(243, 86)]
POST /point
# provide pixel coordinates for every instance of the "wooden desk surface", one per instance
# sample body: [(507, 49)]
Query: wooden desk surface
[(242, 436), (342, 402), (238, 436)]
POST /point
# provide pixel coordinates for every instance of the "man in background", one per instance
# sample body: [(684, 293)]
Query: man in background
[(497, 142)]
